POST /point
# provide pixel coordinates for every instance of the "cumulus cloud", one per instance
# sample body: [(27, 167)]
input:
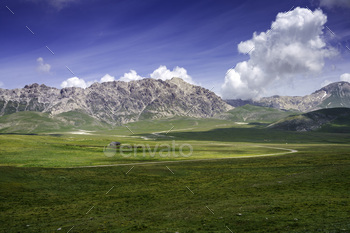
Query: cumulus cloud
[(42, 66), (107, 78), (164, 73), (335, 3), (345, 77), (74, 82), (293, 46), (79, 82), (130, 76), (161, 73)]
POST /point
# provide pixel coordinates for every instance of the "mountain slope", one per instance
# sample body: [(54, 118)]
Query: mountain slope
[(331, 96), (251, 113), (38, 122), (327, 120), (117, 102)]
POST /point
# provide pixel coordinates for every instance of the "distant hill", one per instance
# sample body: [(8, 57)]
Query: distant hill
[(331, 96), (334, 120), (251, 113), (117, 102), (37, 122)]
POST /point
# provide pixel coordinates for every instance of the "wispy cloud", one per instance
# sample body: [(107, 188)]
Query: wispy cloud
[(42, 66), (335, 3), (325, 83), (57, 4), (345, 77)]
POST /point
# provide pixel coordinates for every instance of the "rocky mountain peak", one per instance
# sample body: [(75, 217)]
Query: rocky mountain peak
[(333, 95), (117, 102), (337, 87)]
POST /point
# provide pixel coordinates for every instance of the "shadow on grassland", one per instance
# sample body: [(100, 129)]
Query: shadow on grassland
[(261, 136), (32, 134)]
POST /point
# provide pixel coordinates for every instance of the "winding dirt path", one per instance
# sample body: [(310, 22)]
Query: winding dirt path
[(288, 151)]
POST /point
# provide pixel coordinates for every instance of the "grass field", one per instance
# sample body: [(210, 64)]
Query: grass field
[(42, 188)]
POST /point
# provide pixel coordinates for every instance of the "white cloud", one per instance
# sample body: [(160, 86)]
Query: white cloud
[(1, 84), (294, 46), (43, 67), (325, 83), (345, 77), (335, 3), (164, 73), (79, 82), (161, 73), (130, 76), (107, 78), (74, 82)]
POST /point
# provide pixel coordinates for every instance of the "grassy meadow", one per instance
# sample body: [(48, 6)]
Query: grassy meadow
[(44, 186)]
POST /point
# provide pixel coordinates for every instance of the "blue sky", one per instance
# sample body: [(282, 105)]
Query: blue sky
[(94, 38)]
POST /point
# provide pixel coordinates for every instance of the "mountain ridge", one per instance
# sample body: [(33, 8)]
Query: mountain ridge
[(117, 102), (333, 95)]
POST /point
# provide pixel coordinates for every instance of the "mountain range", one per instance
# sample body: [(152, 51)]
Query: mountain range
[(117, 102), (331, 96), (36, 108)]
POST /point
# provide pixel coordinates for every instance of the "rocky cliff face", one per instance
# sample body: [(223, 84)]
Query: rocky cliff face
[(331, 96), (117, 102)]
